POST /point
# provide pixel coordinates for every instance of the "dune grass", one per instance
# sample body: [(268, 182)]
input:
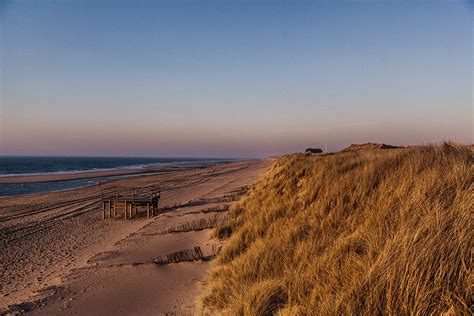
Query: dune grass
[(186, 255), (197, 224), (360, 232)]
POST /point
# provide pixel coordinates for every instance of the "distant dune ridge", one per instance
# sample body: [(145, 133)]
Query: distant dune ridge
[(367, 146), (364, 231)]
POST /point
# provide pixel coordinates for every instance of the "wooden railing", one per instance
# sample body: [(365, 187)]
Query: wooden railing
[(129, 201)]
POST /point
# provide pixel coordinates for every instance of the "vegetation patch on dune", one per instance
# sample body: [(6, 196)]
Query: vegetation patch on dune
[(196, 225), (357, 232), (188, 255)]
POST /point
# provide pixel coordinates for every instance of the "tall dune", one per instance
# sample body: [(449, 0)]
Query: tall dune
[(366, 231)]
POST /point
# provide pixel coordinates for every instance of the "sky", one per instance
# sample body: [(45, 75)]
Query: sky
[(231, 78)]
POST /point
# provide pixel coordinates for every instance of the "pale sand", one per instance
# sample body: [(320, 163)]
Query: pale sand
[(58, 256)]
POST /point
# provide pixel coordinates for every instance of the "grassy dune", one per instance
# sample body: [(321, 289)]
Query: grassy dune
[(363, 231)]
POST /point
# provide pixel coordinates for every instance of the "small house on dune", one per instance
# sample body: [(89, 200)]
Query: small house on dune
[(313, 151)]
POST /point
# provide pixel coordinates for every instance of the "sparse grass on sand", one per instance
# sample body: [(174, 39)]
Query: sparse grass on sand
[(360, 232), (197, 224)]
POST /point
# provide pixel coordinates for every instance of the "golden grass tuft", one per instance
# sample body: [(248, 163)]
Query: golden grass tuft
[(361, 232)]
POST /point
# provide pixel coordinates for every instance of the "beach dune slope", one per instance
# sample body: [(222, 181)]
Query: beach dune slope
[(369, 231)]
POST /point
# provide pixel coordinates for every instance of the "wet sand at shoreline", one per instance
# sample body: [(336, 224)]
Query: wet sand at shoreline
[(94, 174), (58, 256)]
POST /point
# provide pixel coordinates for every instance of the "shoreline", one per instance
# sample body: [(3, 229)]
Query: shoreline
[(57, 253), (57, 176), (58, 182)]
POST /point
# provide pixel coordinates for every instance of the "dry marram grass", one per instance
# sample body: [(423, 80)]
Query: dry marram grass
[(196, 225), (357, 232)]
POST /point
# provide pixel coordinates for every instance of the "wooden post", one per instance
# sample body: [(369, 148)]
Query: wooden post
[(130, 210), (148, 209), (125, 209)]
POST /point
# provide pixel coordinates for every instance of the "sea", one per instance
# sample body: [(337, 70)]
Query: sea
[(16, 165)]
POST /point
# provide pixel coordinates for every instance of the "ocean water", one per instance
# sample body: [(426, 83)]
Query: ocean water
[(13, 189), (10, 165)]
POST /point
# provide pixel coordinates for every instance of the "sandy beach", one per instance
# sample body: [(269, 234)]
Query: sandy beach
[(59, 257)]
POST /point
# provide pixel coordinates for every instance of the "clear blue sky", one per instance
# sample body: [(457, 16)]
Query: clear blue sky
[(231, 78)]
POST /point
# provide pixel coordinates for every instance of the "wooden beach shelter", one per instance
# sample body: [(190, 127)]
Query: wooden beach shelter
[(129, 202)]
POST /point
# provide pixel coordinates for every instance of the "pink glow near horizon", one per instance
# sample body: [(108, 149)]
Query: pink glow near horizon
[(210, 81)]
